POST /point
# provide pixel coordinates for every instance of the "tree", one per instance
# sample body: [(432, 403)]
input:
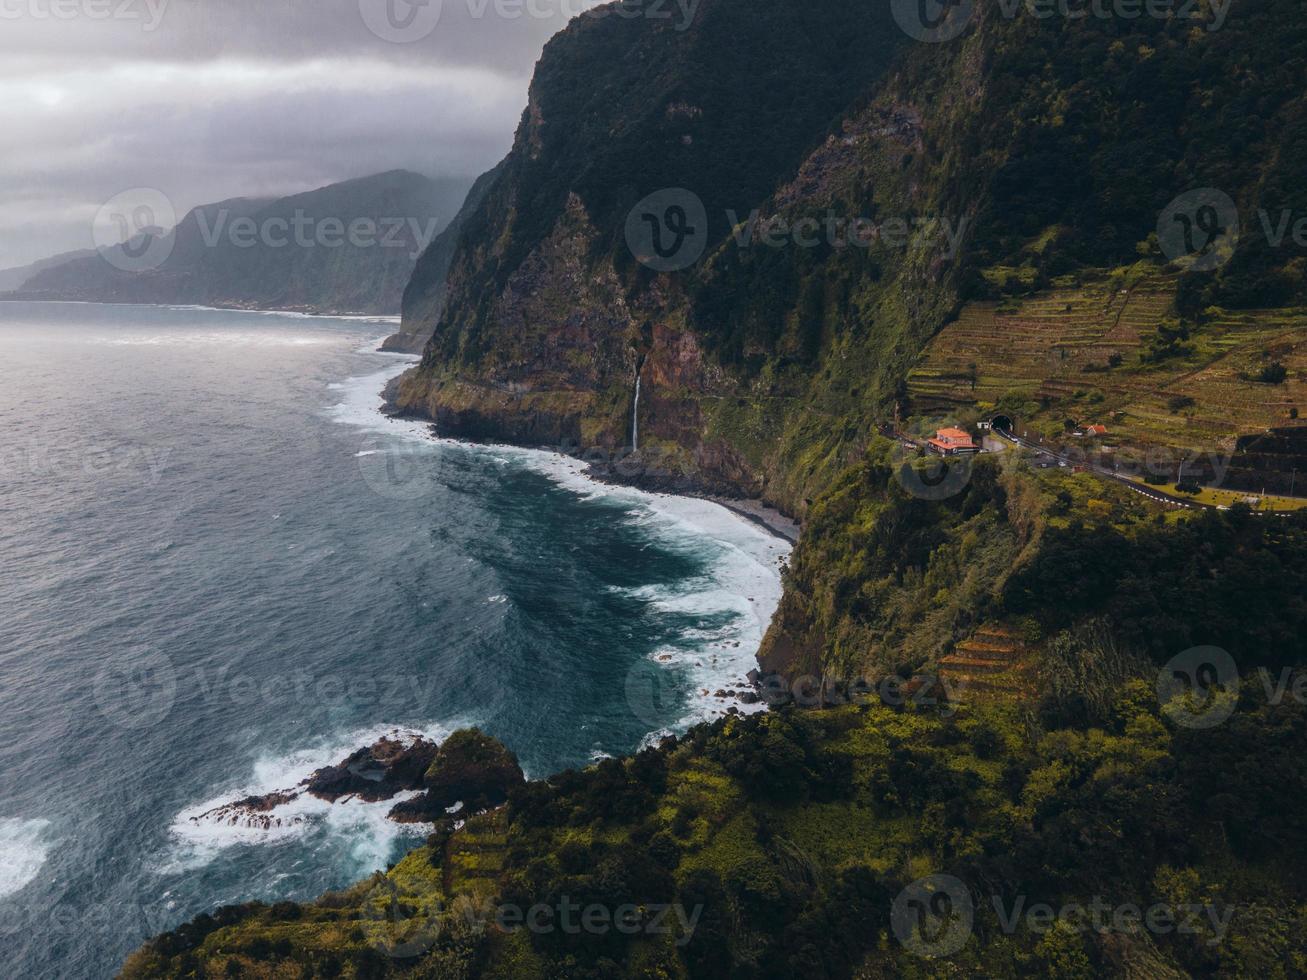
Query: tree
[(1273, 374)]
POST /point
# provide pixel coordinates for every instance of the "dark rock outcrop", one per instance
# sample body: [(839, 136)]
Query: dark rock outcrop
[(471, 769), (394, 764), (378, 772)]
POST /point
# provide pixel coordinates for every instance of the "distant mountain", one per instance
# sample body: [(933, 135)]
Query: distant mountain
[(11, 279), (345, 248), (424, 298)]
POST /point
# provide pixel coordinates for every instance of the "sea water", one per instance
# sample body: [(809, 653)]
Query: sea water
[(224, 567)]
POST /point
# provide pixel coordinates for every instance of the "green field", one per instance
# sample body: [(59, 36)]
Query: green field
[(1097, 353)]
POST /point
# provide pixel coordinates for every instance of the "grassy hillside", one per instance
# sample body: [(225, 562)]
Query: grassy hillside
[(788, 845), (1116, 351), (1054, 145)]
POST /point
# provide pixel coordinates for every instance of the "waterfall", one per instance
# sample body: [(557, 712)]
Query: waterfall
[(635, 418)]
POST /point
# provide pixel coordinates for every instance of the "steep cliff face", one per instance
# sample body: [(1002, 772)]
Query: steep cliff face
[(856, 191), (1026, 153), (550, 318), (424, 295)]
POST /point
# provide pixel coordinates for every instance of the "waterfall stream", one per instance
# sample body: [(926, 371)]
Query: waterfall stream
[(635, 418)]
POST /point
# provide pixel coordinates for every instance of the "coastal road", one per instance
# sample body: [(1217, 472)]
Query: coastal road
[(1152, 493)]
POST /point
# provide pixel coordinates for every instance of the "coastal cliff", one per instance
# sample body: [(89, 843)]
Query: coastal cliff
[(859, 192), (998, 654)]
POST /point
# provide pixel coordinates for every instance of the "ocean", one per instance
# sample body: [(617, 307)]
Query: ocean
[(225, 568)]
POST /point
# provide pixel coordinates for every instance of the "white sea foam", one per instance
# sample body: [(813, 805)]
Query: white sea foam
[(374, 346), (203, 831), (224, 338), (362, 404), (742, 588), (24, 848), (290, 314)]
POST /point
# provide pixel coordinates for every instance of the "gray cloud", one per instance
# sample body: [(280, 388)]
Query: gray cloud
[(211, 99)]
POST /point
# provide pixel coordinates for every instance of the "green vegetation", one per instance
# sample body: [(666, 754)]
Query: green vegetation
[(770, 371), (889, 583), (785, 839)]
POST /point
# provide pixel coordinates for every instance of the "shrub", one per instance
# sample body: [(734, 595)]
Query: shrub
[(1273, 374)]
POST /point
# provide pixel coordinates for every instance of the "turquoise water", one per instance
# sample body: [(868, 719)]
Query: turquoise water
[(224, 568)]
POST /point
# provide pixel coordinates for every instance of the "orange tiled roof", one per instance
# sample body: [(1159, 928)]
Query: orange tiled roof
[(952, 435)]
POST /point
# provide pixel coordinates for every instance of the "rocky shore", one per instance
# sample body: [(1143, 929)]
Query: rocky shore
[(467, 773), (630, 470)]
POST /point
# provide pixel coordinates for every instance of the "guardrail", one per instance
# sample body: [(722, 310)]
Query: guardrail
[(1151, 493)]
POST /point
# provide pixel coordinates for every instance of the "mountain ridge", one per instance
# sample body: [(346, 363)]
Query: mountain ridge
[(346, 247), (846, 831)]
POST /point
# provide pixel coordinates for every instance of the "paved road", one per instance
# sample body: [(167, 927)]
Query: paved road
[(1152, 493)]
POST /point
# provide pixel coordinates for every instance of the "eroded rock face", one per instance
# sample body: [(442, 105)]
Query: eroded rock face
[(253, 812), (470, 769), (394, 764), (379, 772), (468, 773)]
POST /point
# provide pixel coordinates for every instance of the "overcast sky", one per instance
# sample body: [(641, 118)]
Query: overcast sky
[(211, 99)]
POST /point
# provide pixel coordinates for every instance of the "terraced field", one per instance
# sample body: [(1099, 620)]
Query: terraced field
[(1045, 343), (474, 859), (1054, 354), (992, 664)]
